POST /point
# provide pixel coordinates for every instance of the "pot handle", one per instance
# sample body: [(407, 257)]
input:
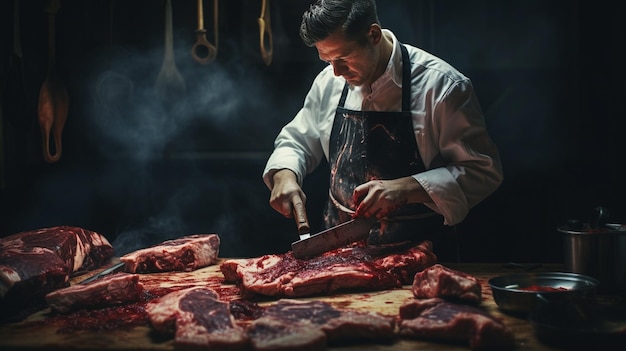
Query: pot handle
[(599, 217)]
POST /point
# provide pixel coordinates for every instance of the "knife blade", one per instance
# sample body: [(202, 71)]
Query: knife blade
[(114, 268), (343, 234)]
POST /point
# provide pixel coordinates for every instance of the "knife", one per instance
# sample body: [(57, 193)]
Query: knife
[(341, 235), (114, 268)]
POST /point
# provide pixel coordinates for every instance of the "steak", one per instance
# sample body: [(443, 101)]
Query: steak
[(197, 319), (358, 267), (34, 263), (441, 320), (116, 289), (186, 254), (441, 281), (311, 325)]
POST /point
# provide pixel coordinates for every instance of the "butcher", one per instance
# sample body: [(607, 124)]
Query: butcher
[(401, 129)]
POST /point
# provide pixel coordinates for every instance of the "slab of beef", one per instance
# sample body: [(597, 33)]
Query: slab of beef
[(441, 281), (34, 263), (186, 254), (110, 290), (438, 319), (360, 267), (197, 319), (311, 325)]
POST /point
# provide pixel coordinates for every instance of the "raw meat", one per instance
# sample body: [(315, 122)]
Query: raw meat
[(186, 254), (438, 319), (310, 325), (270, 334), (441, 281), (352, 268), (110, 290), (34, 263), (198, 319)]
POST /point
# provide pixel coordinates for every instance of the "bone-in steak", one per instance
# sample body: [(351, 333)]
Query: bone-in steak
[(441, 281), (438, 319), (198, 319), (187, 253), (357, 268), (34, 263), (111, 290), (311, 325)]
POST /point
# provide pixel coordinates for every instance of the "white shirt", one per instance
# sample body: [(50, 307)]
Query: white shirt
[(463, 164)]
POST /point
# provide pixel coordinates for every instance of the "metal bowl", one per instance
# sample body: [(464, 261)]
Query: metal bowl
[(518, 293)]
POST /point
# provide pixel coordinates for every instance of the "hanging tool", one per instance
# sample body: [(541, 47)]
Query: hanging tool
[(201, 41), (53, 96), (265, 33), (170, 85)]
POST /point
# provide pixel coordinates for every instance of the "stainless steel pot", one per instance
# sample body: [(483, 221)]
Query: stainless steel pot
[(598, 251)]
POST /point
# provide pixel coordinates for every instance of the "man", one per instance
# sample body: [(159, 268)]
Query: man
[(402, 130)]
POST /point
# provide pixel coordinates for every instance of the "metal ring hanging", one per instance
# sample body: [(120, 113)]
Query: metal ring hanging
[(201, 41)]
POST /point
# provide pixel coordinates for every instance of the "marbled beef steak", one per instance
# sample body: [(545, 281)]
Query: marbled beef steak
[(34, 263), (442, 320), (117, 289), (197, 319), (311, 325), (186, 253), (359, 267), (441, 281)]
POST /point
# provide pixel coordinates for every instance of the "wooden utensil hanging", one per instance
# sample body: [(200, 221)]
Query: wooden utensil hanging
[(170, 85), (265, 33), (53, 97), (201, 42)]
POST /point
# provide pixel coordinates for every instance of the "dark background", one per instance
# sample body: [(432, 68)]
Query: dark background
[(139, 171)]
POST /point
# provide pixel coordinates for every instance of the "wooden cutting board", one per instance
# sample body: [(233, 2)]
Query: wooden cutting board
[(37, 333)]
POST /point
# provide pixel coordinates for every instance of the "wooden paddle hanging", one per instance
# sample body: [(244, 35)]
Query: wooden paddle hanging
[(170, 85), (53, 96), (265, 33)]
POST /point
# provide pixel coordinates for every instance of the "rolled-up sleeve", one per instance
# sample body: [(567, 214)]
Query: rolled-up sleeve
[(463, 163)]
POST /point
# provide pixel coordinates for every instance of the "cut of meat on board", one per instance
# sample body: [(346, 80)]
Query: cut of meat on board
[(311, 325), (270, 334), (186, 253), (441, 281), (34, 263), (362, 268), (116, 289), (441, 320), (197, 319)]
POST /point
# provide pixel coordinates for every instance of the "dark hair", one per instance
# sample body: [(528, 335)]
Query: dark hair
[(324, 17)]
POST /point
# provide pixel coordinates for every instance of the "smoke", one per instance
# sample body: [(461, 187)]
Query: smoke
[(155, 192)]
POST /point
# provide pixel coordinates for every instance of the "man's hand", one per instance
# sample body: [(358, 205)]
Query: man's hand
[(379, 198), (287, 196)]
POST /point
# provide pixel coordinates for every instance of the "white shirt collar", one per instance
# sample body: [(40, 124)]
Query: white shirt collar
[(393, 72)]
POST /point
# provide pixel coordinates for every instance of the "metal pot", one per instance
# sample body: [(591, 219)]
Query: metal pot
[(598, 250)]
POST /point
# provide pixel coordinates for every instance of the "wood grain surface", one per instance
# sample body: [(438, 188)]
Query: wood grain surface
[(34, 333)]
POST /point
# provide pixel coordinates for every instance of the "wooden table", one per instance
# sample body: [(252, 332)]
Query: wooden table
[(32, 334)]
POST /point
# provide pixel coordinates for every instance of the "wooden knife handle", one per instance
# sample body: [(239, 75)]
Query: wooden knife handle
[(299, 214)]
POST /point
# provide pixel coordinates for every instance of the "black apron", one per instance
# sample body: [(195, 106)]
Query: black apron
[(367, 145)]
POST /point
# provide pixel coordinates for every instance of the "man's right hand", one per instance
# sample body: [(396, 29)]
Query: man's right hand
[(287, 196)]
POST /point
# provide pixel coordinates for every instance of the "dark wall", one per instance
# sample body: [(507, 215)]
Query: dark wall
[(140, 170)]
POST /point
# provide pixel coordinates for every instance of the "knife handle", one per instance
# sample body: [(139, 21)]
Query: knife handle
[(301, 221)]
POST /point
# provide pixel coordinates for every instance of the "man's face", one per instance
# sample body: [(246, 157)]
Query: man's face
[(356, 63)]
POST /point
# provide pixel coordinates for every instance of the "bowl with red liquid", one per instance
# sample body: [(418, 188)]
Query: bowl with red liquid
[(519, 293)]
